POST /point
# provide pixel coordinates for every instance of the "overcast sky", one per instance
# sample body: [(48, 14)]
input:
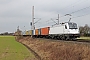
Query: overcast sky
[(15, 13)]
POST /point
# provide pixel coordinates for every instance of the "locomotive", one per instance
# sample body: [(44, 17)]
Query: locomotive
[(62, 31), (65, 31)]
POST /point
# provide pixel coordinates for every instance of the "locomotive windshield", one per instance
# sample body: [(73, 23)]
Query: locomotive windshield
[(72, 25)]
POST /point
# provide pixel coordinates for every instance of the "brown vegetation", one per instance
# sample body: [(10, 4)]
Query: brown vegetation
[(50, 50)]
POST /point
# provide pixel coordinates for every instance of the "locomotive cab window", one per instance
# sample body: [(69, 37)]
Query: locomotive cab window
[(72, 25), (65, 27)]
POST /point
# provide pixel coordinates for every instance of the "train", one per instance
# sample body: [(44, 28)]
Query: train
[(62, 31)]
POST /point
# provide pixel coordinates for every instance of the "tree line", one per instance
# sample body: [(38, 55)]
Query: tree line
[(6, 33), (84, 30)]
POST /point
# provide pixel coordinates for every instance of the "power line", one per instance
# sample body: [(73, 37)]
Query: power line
[(77, 10), (80, 16), (48, 22), (71, 4), (53, 21), (80, 10)]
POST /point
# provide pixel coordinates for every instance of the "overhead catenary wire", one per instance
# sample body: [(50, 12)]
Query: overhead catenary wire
[(77, 10), (47, 23), (81, 15), (74, 11), (80, 10), (71, 5), (79, 1)]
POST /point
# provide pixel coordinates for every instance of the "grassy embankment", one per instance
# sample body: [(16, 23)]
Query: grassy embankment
[(84, 38), (12, 50), (58, 50)]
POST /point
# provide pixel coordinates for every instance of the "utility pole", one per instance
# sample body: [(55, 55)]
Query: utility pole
[(18, 28), (18, 31), (32, 23), (58, 19), (33, 18)]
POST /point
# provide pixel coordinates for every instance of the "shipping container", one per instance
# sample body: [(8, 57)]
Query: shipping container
[(36, 32), (39, 31), (27, 32), (23, 32), (45, 31), (31, 32)]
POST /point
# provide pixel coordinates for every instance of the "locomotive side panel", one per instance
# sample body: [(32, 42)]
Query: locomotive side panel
[(57, 30)]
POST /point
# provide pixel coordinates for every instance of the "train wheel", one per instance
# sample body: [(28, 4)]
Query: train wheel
[(67, 38), (62, 37)]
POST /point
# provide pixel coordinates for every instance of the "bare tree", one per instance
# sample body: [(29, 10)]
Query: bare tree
[(84, 30)]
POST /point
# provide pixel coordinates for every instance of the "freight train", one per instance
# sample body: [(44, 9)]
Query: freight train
[(62, 31)]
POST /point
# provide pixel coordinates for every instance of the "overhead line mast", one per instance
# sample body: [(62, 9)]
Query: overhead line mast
[(32, 23), (58, 19), (33, 18)]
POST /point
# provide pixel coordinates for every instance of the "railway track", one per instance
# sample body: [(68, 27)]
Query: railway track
[(83, 40), (56, 40)]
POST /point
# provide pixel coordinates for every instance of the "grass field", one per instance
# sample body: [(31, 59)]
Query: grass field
[(86, 38), (10, 49)]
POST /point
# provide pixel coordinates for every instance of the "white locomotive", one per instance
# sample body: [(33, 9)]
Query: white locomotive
[(65, 31)]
